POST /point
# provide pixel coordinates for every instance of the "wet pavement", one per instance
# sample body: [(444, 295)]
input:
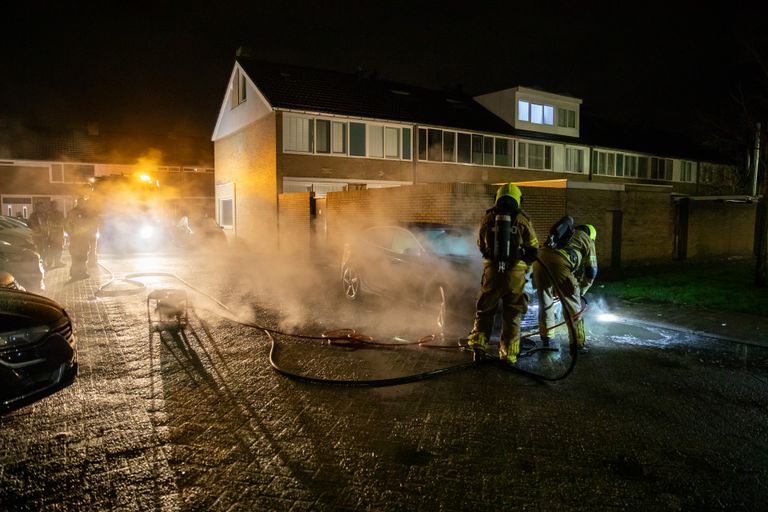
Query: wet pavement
[(666, 412)]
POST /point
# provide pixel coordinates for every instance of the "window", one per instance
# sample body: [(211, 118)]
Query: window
[(477, 149), (238, 93), (535, 113), (630, 166), (523, 110), (566, 118), (422, 144), (642, 167), (376, 141), (78, 173), (435, 145), (242, 91), (322, 136), (609, 164), (534, 156), (686, 172), (297, 135), (391, 142), (549, 115), (619, 164), (661, 169), (226, 213), (574, 160), (356, 139), (502, 153), (464, 148), (449, 146), (339, 138), (406, 143), (488, 150)]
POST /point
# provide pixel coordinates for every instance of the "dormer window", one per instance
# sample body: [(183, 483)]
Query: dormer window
[(535, 113), (566, 118)]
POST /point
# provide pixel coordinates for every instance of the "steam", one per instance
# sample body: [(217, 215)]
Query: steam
[(303, 283)]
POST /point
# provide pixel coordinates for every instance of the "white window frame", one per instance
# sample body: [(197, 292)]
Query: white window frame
[(578, 159), (536, 113), (287, 138), (523, 153)]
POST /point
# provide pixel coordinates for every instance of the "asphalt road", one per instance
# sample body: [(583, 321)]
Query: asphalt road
[(650, 419)]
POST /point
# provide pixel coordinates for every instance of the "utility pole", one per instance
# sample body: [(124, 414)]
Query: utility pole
[(761, 218)]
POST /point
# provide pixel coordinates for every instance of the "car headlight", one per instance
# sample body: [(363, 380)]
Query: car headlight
[(22, 337)]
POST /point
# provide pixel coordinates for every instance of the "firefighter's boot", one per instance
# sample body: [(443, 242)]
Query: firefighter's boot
[(478, 342), (508, 350)]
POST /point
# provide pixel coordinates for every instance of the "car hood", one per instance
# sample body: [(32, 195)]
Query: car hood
[(19, 310), (10, 248)]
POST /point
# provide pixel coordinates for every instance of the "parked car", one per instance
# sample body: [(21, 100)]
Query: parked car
[(16, 232), (38, 351), (419, 262), (24, 264)]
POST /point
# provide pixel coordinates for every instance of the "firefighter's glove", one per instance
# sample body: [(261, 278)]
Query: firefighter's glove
[(529, 254)]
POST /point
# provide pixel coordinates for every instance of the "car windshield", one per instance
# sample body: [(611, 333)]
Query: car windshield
[(450, 241)]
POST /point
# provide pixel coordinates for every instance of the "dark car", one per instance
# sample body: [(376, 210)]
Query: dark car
[(422, 263), (38, 351), (24, 264), (16, 232)]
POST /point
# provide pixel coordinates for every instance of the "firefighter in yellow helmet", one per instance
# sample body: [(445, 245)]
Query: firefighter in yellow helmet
[(508, 244), (572, 256)]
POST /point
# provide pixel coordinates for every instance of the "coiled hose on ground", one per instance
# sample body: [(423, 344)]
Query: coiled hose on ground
[(349, 337)]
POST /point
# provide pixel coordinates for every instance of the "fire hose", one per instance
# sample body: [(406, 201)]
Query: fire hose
[(351, 337)]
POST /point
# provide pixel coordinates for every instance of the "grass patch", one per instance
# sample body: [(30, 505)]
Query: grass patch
[(724, 286)]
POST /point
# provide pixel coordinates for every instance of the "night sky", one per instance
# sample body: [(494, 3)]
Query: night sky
[(162, 67)]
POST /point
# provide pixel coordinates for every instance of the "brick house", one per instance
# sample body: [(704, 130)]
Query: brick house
[(38, 165), (286, 129)]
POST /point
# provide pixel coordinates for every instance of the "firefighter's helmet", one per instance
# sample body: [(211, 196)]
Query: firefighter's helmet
[(511, 191), (588, 229)]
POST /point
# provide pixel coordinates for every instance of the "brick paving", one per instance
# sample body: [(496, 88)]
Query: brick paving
[(650, 419)]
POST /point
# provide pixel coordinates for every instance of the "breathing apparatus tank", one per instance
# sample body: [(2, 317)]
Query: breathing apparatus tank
[(505, 243)]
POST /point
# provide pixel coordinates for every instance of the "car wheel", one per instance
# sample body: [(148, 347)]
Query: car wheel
[(350, 283)]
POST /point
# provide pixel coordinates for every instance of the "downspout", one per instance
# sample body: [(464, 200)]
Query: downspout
[(756, 160)]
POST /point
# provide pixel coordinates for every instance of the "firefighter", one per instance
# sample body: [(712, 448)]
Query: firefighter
[(574, 257), (508, 244), (55, 236), (38, 223), (81, 226)]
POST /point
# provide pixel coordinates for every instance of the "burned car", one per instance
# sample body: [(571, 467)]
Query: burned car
[(38, 351), (427, 264)]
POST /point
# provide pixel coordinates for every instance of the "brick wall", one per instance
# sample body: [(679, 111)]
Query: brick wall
[(294, 221), (647, 217), (718, 229), (248, 158), (449, 203)]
